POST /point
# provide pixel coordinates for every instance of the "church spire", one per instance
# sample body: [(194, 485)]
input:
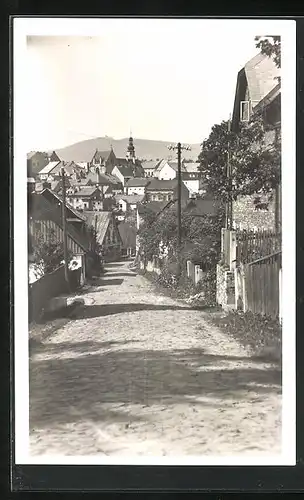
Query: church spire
[(131, 149)]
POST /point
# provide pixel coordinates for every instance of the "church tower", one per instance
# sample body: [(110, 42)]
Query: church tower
[(131, 150)]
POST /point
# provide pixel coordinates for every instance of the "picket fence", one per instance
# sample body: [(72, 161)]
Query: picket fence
[(254, 257)]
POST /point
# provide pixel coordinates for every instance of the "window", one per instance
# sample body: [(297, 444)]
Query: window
[(244, 111), (246, 108)]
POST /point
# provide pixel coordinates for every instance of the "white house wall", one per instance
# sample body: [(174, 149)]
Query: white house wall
[(118, 174), (167, 173), (136, 190), (192, 185)]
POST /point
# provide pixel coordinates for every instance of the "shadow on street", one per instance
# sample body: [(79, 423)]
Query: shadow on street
[(97, 310), (128, 376)]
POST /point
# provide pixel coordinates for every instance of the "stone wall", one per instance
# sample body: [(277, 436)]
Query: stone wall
[(246, 216), (225, 287)]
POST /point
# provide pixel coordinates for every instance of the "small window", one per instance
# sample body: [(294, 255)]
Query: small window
[(244, 111)]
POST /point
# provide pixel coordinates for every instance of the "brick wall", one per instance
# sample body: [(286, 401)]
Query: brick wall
[(246, 216)]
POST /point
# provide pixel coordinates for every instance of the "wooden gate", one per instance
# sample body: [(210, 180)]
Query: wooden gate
[(263, 285)]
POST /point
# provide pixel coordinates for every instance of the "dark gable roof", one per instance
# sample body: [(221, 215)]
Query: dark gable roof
[(174, 165), (125, 161), (259, 75), (69, 167), (137, 182), (153, 206), (104, 179), (127, 235), (162, 185), (130, 198), (100, 221), (85, 191), (55, 198), (101, 155), (151, 164), (126, 171), (42, 209)]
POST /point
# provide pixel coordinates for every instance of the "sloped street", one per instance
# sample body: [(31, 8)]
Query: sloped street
[(139, 373)]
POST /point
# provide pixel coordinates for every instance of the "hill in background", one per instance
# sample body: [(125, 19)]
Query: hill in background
[(144, 149)]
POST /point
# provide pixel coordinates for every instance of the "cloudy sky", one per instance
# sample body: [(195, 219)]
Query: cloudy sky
[(165, 79)]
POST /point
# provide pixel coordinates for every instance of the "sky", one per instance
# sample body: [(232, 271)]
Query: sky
[(162, 79)]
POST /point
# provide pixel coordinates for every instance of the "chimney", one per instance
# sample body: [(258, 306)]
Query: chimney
[(88, 167)]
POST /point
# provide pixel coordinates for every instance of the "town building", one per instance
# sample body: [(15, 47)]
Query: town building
[(167, 170), (258, 89), (36, 161), (53, 171), (150, 167), (45, 221), (106, 158), (108, 184), (128, 202), (87, 198), (130, 161), (107, 234), (128, 239), (165, 190), (192, 178), (124, 173), (136, 185)]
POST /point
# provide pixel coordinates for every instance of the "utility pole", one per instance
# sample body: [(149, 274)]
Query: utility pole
[(179, 148), (64, 230)]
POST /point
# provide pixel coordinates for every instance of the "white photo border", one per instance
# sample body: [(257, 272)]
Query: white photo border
[(23, 27)]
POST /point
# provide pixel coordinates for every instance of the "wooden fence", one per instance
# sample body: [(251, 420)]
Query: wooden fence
[(262, 278), (253, 245)]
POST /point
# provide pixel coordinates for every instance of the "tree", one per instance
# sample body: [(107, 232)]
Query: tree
[(271, 47), (200, 236), (255, 162), (47, 254)]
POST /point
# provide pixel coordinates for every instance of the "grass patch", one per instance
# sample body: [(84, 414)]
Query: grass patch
[(181, 291), (262, 335)]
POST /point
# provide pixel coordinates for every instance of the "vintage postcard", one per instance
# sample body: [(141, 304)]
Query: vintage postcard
[(154, 241)]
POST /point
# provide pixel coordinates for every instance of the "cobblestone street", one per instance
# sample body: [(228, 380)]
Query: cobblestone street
[(137, 373)]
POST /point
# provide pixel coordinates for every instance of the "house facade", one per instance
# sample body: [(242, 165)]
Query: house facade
[(136, 185), (192, 178), (165, 190), (128, 202), (128, 239), (106, 158), (36, 161), (107, 234), (150, 167), (258, 89), (167, 170), (123, 173), (45, 221), (87, 198), (53, 171)]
